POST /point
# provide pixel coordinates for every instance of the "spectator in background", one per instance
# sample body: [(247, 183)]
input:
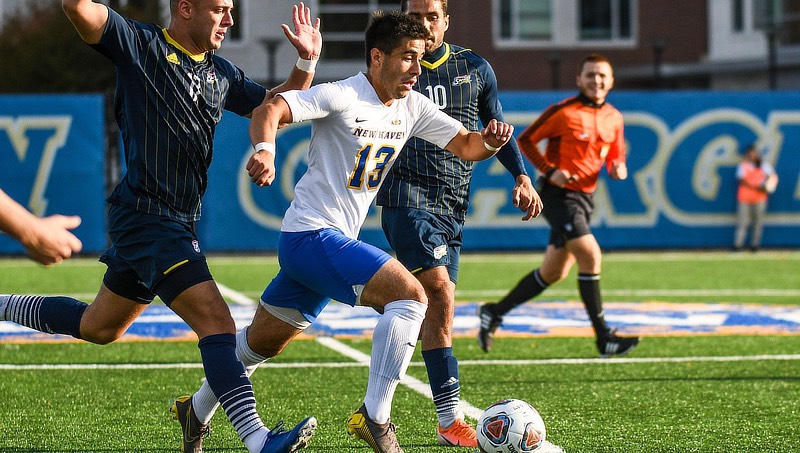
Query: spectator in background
[(757, 180), (47, 239)]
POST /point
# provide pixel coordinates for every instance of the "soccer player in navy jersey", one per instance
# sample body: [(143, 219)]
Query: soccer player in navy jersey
[(170, 94), (425, 199)]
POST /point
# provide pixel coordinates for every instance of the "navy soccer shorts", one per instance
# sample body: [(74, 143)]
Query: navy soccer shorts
[(151, 255), (423, 240)]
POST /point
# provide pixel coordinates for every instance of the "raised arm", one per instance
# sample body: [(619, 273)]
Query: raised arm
[(307, 39), (88, 18), (474, 146), (263, 129)]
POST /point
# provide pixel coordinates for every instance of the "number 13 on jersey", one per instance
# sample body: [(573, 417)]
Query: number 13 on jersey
[(371, 166)]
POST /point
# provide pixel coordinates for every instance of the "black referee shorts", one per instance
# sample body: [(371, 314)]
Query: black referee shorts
[(568, 213)]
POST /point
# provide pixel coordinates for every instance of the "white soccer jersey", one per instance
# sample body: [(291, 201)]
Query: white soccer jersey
[(355, 139)]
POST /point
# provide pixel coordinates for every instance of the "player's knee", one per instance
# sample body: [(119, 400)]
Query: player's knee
[(552, 276), (417, 292), (102, 336), (439, 293)]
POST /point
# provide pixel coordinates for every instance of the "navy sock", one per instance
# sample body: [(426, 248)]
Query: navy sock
[(442, 368), (227, 378), (49, 314)]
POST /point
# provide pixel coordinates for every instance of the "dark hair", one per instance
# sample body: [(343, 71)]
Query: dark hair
[(752, 148), (404, 5), (593, 58), (388, 30)]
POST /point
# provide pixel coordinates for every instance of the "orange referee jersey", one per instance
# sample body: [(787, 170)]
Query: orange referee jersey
[(581, 137)]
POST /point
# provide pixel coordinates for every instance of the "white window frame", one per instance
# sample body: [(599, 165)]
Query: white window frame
[(565, 28), (365, 7), (243, 24)]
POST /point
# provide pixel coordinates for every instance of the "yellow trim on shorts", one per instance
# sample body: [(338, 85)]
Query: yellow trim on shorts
[(175, 266)]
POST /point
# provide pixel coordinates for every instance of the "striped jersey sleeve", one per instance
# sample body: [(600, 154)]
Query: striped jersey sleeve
[(463, 85)]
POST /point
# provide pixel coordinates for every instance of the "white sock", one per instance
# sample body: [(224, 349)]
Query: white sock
[(393, 342), (204, 401), (255, 441)]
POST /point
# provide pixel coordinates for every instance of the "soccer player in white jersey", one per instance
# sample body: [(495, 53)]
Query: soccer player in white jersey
[(359, 126)]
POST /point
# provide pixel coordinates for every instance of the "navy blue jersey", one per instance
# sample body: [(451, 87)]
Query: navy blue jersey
[(167, 105), (427, 177)]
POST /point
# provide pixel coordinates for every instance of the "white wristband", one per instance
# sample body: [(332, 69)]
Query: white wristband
[(265, 146), (490, 147), (306, 65)]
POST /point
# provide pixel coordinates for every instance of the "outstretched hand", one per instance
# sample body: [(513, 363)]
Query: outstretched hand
[(49, 241), (306, 37), (496, 133), (526, 198)]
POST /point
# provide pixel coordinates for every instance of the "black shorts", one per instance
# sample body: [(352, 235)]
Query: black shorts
[(568, 213), (151, 255), (422, 240)]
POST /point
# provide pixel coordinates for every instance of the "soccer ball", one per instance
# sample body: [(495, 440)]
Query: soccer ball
[(510, 426)]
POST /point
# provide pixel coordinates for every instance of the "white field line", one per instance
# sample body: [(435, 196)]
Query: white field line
[(647, 293), (235, 296)]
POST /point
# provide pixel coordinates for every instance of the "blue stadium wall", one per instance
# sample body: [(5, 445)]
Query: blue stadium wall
[(683, 148)]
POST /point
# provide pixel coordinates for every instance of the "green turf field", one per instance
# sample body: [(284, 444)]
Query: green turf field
[(708, 393)]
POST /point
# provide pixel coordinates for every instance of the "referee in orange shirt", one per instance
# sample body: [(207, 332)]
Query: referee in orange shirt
[(584, 133)]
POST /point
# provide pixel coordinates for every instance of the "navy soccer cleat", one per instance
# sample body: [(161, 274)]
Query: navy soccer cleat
[(282, 441)]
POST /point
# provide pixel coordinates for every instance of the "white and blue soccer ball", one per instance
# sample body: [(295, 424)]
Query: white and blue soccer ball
[(510, 426)]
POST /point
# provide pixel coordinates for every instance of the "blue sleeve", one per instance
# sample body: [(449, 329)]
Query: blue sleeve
[(489, 107), (244, 94), (122, 38)]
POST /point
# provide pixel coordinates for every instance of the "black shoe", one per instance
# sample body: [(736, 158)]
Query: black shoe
[(489, 323), (193, 431), (612, 345)]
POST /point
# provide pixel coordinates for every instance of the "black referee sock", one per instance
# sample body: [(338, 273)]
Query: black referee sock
[(529, 287), (589, 287)]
